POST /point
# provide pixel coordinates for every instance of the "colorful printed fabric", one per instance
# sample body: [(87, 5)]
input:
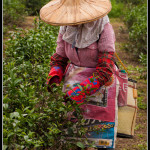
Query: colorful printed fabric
[(102, 134), (101, 106), (58, 65), (87, 87), (104, 71), (100, 110)]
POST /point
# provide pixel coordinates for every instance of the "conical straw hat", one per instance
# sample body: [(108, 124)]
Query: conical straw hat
[(73, 12)]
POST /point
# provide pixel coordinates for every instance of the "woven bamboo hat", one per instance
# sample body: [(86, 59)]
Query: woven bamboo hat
[(73, 12)]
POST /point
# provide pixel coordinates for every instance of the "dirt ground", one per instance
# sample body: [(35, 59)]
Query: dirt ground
[(139, 141)]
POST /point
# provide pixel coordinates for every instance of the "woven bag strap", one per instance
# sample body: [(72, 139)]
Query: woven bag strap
[(121, 63)]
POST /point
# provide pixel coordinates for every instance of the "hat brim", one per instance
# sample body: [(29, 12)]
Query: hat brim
[(80, 11)]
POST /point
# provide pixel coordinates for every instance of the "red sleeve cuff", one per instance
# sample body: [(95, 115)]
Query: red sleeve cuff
[(55, 71)]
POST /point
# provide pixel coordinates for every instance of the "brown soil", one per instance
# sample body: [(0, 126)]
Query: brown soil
[(139, 141), (28, 22)]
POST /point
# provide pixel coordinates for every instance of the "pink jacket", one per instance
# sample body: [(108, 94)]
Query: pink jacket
[(88, 57)]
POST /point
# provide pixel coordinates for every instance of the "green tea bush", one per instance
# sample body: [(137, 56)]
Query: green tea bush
[(36, 45), (117, 9), (134, 2), (13, 12), (143, 69), (33, 118), (5, 30), (43, 126), (33, 6), (136, 21)]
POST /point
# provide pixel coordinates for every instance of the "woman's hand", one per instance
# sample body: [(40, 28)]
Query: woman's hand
[(51, 85)]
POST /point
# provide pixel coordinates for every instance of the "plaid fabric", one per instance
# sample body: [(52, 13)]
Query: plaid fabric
[(58, 65), (57, 60), (104, 69)]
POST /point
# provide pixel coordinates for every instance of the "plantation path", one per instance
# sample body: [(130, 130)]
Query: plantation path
[(139, 141), (28, 22)]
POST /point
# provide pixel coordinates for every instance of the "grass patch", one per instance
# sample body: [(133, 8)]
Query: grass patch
[(117, 9), (141, 104)]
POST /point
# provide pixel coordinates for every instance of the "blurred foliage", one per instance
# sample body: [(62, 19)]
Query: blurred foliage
[(136, 21), (13, 12), (117, 9), (134, 15), (134, 2), (33, 6), (33, 117)]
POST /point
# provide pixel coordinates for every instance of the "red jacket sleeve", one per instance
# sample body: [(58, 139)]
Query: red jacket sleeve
[(104, 68), (58, 65)]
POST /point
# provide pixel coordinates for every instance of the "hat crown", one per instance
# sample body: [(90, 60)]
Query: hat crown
[(72, 12), (71, 2)]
